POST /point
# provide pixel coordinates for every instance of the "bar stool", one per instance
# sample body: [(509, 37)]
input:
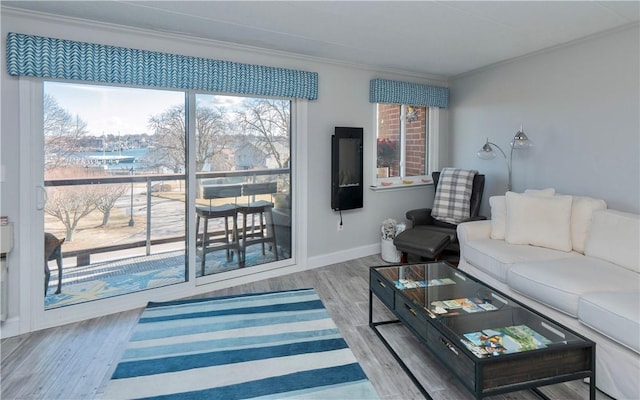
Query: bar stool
[(230, 239), (260, 210)]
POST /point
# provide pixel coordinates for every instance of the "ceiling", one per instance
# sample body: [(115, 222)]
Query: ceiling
[(443, 38)]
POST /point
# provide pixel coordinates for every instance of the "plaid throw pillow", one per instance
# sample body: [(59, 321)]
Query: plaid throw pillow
[(453, 195)]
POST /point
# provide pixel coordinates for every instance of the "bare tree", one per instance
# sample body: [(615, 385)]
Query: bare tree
[(105, 199), (169, 130), (269, 121), (62, 133), (69, 204)]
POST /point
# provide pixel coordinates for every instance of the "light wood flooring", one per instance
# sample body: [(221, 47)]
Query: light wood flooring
[(75, 361)]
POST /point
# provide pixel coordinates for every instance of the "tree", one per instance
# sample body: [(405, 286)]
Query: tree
[(169, 129), (62, 133), (269, 120), (105, 199), (69, 204)]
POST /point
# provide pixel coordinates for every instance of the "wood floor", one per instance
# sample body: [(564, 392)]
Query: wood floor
[(76, 361)]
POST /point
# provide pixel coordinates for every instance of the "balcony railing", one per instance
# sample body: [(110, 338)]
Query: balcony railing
[(83, 256)]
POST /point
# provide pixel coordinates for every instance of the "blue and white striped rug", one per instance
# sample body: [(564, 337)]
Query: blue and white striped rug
[(268, 345)]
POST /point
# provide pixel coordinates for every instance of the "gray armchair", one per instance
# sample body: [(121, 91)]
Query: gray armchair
[(409, 243)]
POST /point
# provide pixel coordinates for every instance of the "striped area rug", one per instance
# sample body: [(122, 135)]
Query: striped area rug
[(268, 345)]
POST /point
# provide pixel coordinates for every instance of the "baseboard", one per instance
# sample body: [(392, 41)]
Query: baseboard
[(342, 256)]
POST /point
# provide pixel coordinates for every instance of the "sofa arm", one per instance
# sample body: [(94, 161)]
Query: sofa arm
[(474, 230), (421, 216)]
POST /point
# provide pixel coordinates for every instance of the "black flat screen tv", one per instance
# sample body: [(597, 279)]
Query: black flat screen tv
[(346, 168)]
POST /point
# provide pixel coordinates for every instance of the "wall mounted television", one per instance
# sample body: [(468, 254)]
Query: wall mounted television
[(346, 168)]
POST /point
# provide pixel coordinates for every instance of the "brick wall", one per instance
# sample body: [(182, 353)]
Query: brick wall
[(389, 128)]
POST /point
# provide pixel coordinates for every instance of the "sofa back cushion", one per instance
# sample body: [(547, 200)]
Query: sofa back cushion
[(539, 221), (499, 211), (581, 217), (498, 217), (614, 237)]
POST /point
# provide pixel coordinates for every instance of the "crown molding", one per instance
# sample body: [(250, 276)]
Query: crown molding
[(182, 38)]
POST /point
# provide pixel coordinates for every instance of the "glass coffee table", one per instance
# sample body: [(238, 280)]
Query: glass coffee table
[(492, 343)]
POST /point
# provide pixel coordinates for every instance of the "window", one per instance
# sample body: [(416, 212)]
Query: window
[(404, 144)]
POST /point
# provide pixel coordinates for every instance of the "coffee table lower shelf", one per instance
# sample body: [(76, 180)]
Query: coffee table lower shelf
[(448, 354)]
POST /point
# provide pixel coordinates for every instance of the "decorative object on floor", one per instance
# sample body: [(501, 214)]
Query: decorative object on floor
[(390, 229), (267, 345), (520, 141)]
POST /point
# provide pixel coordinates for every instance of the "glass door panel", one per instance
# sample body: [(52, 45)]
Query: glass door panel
[(243, 198), (114, 172)]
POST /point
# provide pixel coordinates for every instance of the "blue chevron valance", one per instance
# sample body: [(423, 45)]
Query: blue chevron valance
[(65, 59), (397, 92)]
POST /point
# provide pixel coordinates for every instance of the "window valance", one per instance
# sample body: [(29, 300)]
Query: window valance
[(398, 92), (45, 57)]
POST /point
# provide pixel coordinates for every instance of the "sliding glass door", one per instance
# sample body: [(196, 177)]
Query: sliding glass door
[(115, 171), (114, 215)]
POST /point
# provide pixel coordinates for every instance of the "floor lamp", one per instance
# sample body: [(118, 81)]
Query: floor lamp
[(520, 141)]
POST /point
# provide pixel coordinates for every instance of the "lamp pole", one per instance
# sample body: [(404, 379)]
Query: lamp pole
[(131, 221), (487, 149)]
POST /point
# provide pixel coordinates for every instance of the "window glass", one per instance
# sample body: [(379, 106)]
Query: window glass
[(242, 157), (113, 194), (401, 141)]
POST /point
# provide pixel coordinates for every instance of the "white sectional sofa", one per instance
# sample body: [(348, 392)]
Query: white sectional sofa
[(573, 260)]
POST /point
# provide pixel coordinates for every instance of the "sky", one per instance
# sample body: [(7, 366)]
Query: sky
[(122, 111)]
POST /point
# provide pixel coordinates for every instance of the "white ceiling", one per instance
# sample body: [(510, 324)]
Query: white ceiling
[(445, 38)]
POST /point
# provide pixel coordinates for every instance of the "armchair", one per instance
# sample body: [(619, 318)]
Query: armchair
[(428, 236)]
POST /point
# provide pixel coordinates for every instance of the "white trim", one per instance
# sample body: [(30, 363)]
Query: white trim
[(28, 228), (398, 185), (403, 140), (299, 179), (433, 140), (431, 154), (431, 79), (191, 189), (343, 255), (32, 315)]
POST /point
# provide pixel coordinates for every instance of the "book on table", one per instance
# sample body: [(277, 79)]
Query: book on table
[(466, 304), (504, 340), (412, 284)]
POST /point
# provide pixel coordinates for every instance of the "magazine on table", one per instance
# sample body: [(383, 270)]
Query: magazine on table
[(505, 340), (466, 304), (412, 284)]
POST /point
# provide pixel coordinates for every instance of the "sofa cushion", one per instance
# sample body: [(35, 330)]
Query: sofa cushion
[(499, 211), (614, 314), (539, 221), (498, 216), (495, 257), (540, 192), (582, 210), (614, 237), (560, 283)]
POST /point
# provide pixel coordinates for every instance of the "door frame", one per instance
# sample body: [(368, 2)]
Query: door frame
[(32, 315)]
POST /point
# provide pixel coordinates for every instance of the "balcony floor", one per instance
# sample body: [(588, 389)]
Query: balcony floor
[(114, 278)]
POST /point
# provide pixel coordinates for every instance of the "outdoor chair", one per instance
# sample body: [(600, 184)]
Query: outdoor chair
[(52, 251), (229, 237), (261, 218)]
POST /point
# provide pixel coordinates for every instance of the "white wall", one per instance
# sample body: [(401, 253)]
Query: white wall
[(580, 105), (343, 101)]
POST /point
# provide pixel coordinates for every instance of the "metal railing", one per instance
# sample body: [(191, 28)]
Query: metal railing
[(83, 256)]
